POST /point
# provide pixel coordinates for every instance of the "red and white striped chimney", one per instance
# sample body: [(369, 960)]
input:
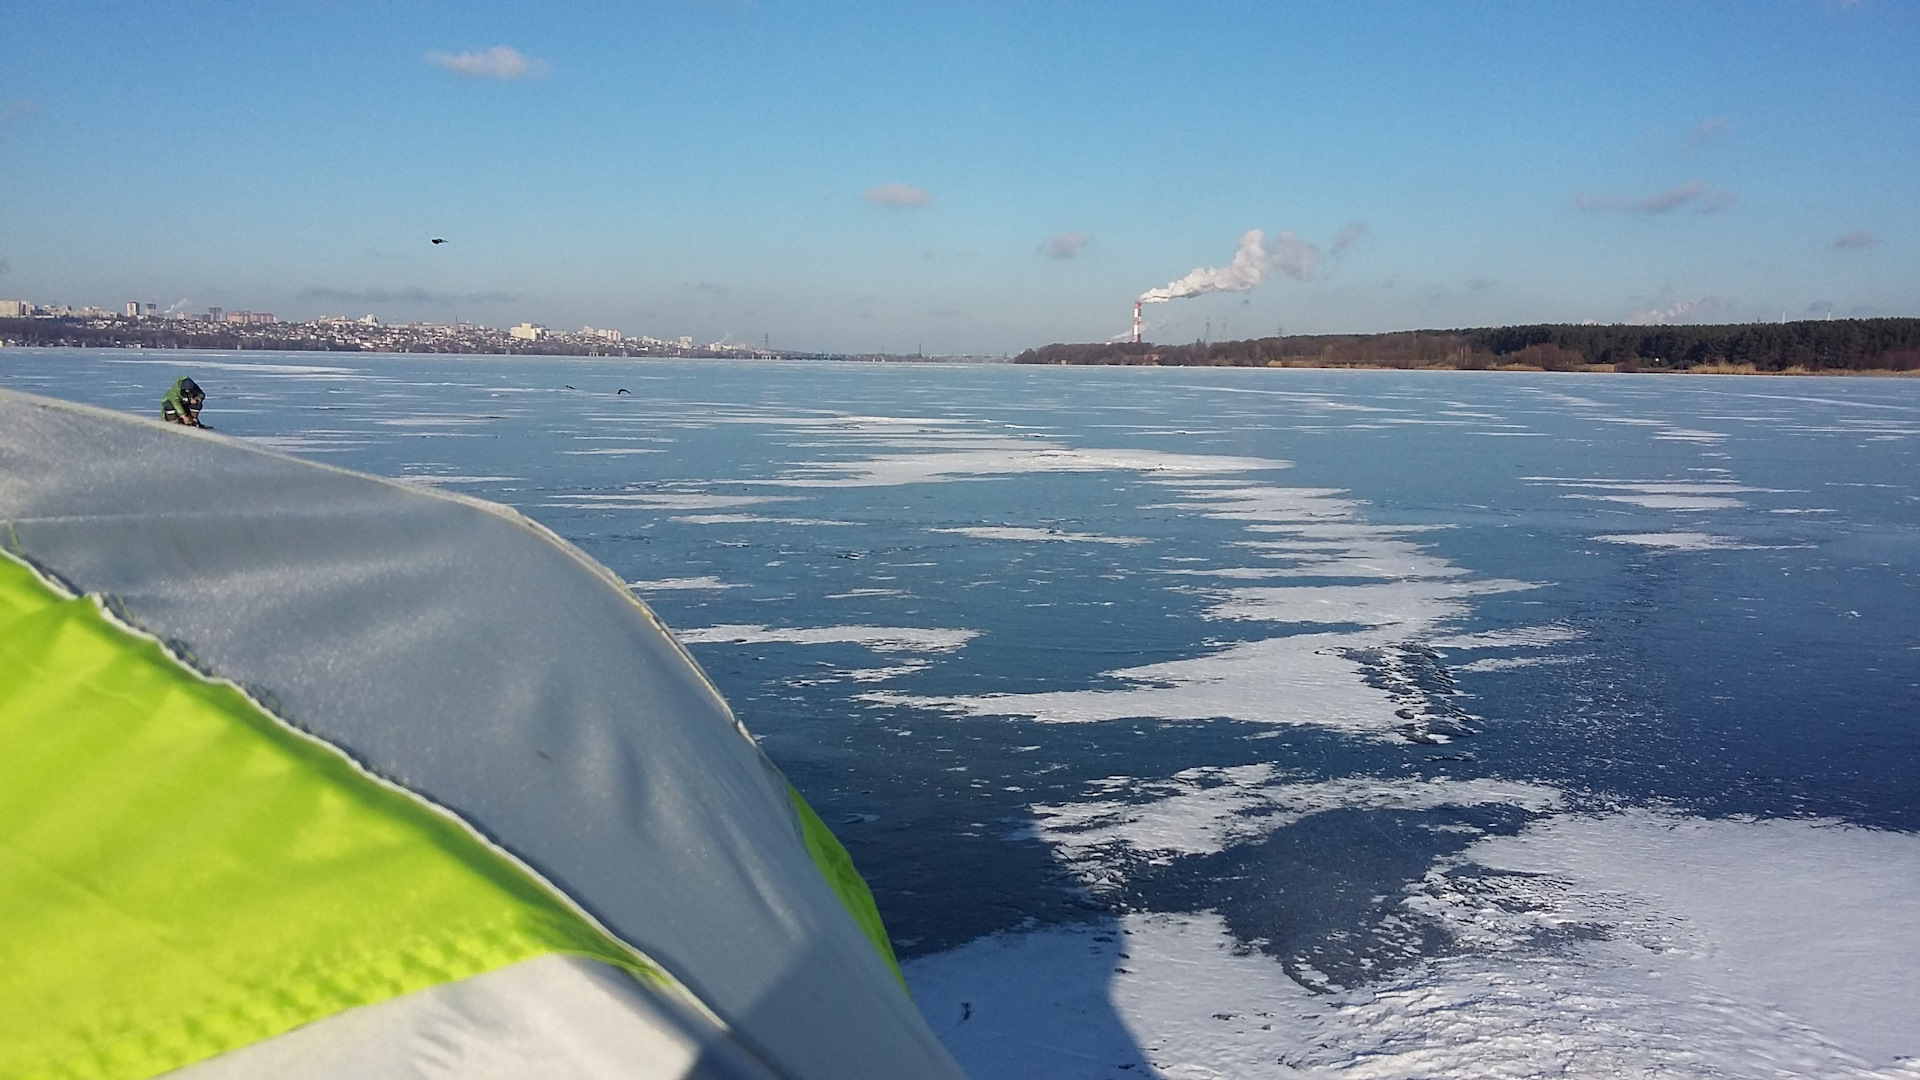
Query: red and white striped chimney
[(1136, 322)]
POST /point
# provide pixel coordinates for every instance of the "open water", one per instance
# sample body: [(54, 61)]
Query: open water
[(1246, 723)]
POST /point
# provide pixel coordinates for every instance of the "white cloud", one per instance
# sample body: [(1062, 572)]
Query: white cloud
[(1702, 196), (897, 195), (1705, 130), (500, 62)]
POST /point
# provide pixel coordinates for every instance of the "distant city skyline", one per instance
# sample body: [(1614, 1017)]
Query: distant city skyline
[(967, 178)]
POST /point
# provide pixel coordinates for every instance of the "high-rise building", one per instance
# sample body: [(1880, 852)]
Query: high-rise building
[(133, 309), (215, 314), (15, 309)]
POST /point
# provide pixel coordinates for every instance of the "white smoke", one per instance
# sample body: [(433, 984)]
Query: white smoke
[(1255, 259)]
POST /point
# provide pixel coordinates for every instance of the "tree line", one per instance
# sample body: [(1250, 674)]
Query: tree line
[(1812, 345)]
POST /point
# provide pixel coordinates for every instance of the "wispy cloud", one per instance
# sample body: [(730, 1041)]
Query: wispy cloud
[(713, 287), (1348, 236), (1705, 131), (1703, 197), (1858, 238), (897, 195), (14, 110), (1065, 246), (409, 295), (500, 62)]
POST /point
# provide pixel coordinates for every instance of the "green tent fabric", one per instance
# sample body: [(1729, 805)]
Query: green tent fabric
[(837, 867), (181, 875)]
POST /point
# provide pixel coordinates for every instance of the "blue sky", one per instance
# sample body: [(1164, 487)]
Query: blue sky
[(966, 177)]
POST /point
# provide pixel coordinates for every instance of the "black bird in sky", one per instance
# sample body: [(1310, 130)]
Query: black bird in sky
[(439, 240)]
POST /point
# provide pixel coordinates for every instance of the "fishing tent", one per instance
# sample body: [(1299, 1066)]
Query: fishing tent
[(309, 773)]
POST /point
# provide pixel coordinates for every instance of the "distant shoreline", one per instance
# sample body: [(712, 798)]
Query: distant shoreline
[(1879, 347), (1586, 369), (1809, 347)]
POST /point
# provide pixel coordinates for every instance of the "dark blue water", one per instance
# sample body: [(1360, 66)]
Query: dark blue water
[(1727, 571)]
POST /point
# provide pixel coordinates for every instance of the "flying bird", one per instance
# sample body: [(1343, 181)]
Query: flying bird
[(439, 240)]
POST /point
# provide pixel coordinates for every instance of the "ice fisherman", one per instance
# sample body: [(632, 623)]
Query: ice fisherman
[(182, 403)]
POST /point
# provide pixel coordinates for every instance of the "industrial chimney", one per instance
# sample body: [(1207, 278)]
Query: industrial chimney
[(1136, 322)]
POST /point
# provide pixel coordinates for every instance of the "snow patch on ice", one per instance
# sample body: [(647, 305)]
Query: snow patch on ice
[(1519, 637), (1014, 457), (1204, 810), (1508, 663), (1814, 919), (1361, 683), (1667, 502), (436, 479), (1711, 949), (1407, 605), (707, 581), (1679, 541)]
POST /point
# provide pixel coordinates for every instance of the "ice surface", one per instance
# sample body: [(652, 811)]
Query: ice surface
[(663, 500), (1704, 949), (1517, 637), (1204, 810), (1818, 921), (1318, 680), (878, 638), (1367, 683), (752, 519), (1583, 946), (1027, 535)]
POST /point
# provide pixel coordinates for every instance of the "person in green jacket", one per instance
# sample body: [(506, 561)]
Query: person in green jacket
[(182, 403)]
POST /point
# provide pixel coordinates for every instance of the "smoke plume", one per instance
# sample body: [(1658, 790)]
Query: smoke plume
[(1251, 264)]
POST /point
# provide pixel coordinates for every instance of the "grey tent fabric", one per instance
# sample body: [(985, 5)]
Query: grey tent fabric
[(469, 655)]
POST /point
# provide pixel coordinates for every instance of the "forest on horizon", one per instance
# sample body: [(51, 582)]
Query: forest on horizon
[(1883, 345)]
